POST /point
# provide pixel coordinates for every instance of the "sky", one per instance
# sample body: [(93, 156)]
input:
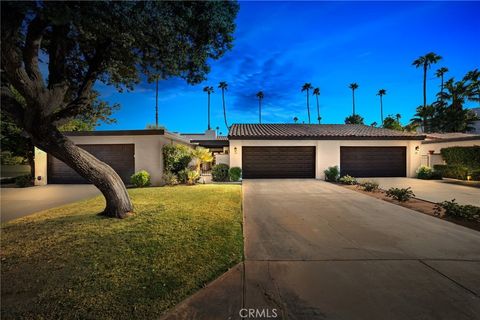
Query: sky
[(279, 46)]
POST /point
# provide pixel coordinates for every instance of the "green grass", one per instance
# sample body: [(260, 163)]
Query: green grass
[(69, 263)]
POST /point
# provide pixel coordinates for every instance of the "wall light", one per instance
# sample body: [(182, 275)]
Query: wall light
[(417, 148), (235, 150)]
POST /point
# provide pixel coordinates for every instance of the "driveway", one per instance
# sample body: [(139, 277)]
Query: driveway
[(20, 202), (314, 250), (434, 190)]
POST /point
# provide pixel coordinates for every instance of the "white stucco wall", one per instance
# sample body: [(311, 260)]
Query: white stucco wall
[(148, 153), (328, 151), (426, 147)]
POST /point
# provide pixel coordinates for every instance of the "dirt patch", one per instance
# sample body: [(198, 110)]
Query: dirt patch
[(423, 206)]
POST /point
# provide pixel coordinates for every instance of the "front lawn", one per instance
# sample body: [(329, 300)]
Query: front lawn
[(69, 263)]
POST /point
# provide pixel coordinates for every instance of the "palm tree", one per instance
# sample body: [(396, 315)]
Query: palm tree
[(426, 61), (260, 98), (306, 87), (398, 116), (201, 155), (316, 93), (472, 78), (208, 90), (224, 86), (295, 119), (353, 86), (156, 102), (381, 93), (440, 74)]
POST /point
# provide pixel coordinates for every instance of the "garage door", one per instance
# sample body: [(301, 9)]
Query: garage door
[(119, 156), (278, 162), (373, 161)]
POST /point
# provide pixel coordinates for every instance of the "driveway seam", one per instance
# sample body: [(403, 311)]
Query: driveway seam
[(366, 259), (449, 278)]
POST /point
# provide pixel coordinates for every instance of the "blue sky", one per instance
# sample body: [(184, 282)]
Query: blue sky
[(281, 45)]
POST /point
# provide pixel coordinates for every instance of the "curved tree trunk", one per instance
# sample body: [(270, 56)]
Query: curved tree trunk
[(118, 204)]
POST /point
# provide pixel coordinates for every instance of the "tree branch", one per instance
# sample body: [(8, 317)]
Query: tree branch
[(32, 48), (12, 106)]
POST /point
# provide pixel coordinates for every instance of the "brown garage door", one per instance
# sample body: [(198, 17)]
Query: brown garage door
[(373, 161), (278, 162), (119, 156)]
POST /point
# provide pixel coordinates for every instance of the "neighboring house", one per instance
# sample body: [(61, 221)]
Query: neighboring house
[(476, 124), (218, 145), (126, 151), (434, 142), (305, 151)]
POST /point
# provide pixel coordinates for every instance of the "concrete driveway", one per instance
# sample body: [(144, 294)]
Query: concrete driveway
[(434, 190), (20, 202), (314, 250)]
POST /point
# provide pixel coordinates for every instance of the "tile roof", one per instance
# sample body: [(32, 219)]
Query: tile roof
[(317, 132)]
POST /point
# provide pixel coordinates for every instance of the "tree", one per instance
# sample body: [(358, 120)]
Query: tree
[(473, 82), (295, 119), (423, 117), (353, 86), (260, 96), (316, 93), (110, 42), (393, 123), (202, 155), (426, 61), (307, 87), (354, 119), (440, 74), (381, 93), (209, 91), (224, 86)]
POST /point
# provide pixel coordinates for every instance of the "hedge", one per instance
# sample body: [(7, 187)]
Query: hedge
[(462, 156), (452, 171)]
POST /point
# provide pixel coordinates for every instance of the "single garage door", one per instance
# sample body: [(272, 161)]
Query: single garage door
[(373, 161), (278, 162), (119, 156)]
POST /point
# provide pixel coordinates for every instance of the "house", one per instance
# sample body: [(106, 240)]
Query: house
[(476, 124), (218, 145), (126, 151), (434, 142), (305, 151)]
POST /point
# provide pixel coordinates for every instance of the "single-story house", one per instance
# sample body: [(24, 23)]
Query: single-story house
[(305, 151), (126, 151), (434, 142), (217, 144)]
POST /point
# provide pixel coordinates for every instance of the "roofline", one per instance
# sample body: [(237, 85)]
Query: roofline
[(212, 143), (471, 138), (325, 138), (149, 132)]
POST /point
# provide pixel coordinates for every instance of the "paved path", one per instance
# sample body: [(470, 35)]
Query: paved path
[(20, 202), (434, 190), (314, 250)]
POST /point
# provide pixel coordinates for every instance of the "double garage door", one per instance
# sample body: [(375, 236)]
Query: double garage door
[(299, 162), (119, 156)]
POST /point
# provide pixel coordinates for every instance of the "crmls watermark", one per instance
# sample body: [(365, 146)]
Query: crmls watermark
[(258, 313)]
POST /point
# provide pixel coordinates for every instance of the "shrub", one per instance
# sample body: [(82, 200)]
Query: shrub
[(332, 174), (348, 180), (475, 174), (24, 181), (369, 186), (183, 175), (170, 178), (462, 156), (428, 173), (400, 194), (192, 176), (458, 211), (220, 172), (235, 173), (176, 157), (452, 171), (140, 179)]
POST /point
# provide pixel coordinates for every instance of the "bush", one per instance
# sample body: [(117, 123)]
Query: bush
[(220, 172), (170, 178), (348, 180), (462, 156), (332, 174), (192, 176), (176, 157), (475, 174), (183, 175), (400, 194), (235, 173), (428, 173), (458, 211), (24, 181), (369, 186), (140, 179), (452, 171)]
